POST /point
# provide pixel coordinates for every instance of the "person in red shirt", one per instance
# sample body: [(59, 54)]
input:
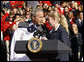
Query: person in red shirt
[(20, 4), (5, 26), (48, 26), (4, 16), (12, 3), (47, 2), (16, 4), (71, 17), (6, 37)]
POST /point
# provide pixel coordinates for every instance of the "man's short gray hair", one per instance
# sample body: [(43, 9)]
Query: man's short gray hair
[(35, 10)]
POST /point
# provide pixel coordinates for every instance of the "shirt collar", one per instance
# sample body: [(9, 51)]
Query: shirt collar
[(79, 20), (57, 27), (33, 24)]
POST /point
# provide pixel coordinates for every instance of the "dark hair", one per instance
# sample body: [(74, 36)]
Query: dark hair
[(12, 17), (2, 11), (62, 2), (70, 11), (81, 3), (80, 12), (66, 6)]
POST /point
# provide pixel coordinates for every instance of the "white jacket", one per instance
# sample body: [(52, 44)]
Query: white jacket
[(19, 34)]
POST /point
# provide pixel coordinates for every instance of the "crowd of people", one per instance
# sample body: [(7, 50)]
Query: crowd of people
[(62, 20)]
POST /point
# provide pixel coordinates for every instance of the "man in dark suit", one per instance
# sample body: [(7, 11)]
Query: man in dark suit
[(80, 25), (58, 32), (79, 22), (76, 43)]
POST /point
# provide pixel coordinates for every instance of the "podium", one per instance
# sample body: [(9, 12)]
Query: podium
[(49, 49)]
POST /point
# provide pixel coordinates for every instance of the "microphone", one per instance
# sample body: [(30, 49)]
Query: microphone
[(40, 32)]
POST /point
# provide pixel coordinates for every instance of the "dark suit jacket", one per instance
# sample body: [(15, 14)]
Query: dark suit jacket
[(76, 44), (76, 41), (70, 27), (80, 26), (81, 30), (62, 35)]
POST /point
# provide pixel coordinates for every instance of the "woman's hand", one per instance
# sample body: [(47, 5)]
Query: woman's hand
[(43, 38)]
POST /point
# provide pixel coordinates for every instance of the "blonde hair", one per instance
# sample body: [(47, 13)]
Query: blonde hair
[(75, 5), (54, 14), (71, 14), (81, 6), (76, 30), (63, 22)]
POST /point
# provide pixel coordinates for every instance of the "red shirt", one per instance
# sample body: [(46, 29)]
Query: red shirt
[(70, 9), (47, 2), (78, 2), (16, 4), (7, 25), (3, 18), (60, 11), (73, 20), (20, 4), (47, 25), (12, 3)]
